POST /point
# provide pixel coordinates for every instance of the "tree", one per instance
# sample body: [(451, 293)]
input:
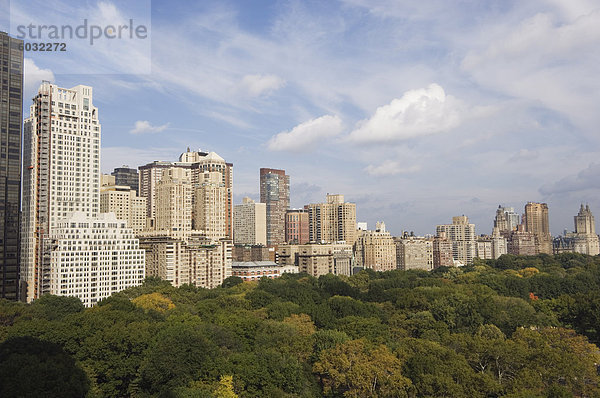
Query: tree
[(34, 368), (154, 302), (357, 369)]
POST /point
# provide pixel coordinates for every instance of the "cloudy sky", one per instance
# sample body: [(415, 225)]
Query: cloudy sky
[(416, 111)]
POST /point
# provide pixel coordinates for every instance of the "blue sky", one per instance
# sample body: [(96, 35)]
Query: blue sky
[(416, 111)]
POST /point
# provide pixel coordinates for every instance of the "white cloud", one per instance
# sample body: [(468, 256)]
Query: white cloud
[(257, 85), (144, 127), (307, 133), (33, 76), (391, 167), (419, 112)]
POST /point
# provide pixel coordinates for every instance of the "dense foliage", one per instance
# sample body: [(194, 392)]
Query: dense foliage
[(512, 327)]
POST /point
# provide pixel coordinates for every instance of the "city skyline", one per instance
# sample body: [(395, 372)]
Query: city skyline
[(502, 115)]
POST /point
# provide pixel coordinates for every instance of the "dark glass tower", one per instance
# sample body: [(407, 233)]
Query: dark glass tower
[(275, 192), (127, 177), (11, 120)]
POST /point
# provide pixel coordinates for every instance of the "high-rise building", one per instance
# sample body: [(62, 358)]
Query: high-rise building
[(126, 205), (197, 163), (125, 176), (250, 223), (296, 227), (275, 193), (506, 219), (333, 221), (11, 105), (462, 235), (61, 192), (375, 249), (522, 243), (210, 205), (536, 222), (174, 202)]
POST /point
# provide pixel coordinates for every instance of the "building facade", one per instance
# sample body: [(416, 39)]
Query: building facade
[(375, 249), (250, 223), (125, 176), (64, 235), (414, 253), (275, 193), (210, 205), (442, 252), (255, 270), (462, 235), (94, 258), (125, 204), (536, 222), (333, 221), (296, 227), (11, 117)]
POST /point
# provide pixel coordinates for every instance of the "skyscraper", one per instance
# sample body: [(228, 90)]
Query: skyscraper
[(275, 193), (11, 104), (210, 205), (67, 248), (536, 222), (124, 176)]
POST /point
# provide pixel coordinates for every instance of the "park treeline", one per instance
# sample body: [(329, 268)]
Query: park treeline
[(513, 327)]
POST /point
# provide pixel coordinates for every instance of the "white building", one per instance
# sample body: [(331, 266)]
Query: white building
[(94, 258), (61, 176), (250, 223)]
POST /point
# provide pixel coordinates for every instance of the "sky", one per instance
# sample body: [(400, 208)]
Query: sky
[(415, 111)]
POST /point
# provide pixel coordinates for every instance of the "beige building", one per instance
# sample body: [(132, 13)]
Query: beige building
[(536, 222), (462, 235), (173, 213), (584, 239), (250, 223), (414, 253), (125, 203), (318, 259), (210, 205), (522, 242), (333, 221), (375, 249), (195, 260)]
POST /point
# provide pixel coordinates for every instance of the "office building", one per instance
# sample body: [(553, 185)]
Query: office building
[(250, 223), (462, 235), (11, 105), (61, 195), (536, 222), (275, 193), (296, 227), (125, 176), (333, 221)]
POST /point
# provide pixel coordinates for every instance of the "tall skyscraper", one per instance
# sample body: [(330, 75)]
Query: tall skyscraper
[(126, 205), (124, 176), (61, 191), (536, 222), (250, 223), (462, 235), (11, 104), (506, 219), (332, 221), (275, 193)]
